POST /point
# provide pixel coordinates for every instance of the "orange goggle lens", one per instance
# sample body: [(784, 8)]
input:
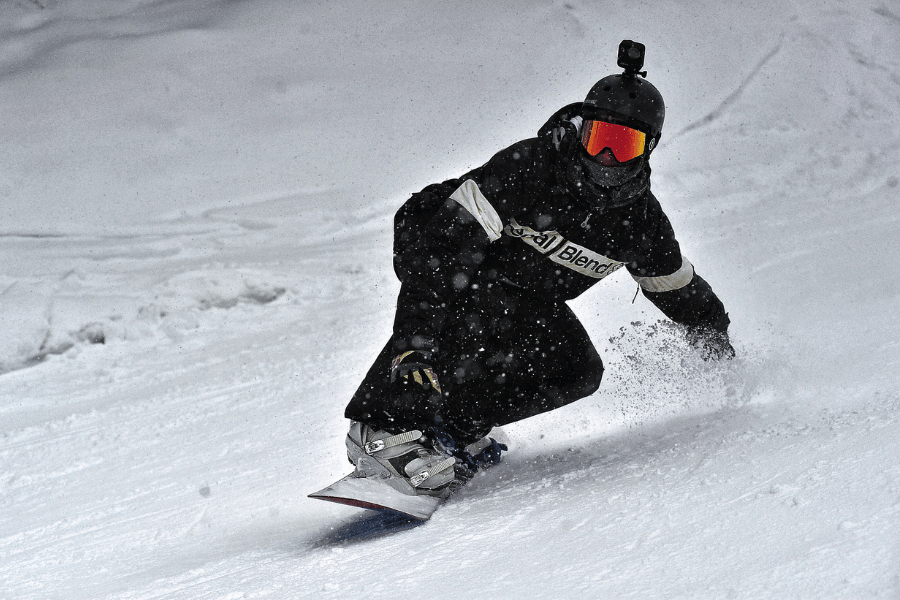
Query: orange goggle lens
[(626, 143)]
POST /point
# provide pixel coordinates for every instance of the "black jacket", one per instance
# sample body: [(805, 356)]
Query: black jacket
[(518, 220)]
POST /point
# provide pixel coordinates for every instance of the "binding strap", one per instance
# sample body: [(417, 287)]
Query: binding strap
[(422, 476), (394, 440)]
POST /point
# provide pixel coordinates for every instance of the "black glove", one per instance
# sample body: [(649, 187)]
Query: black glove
[(410, 370), (415, 391), (712, 344)]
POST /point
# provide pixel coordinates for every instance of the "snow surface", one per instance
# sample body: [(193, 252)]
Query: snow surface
[(195, 211)]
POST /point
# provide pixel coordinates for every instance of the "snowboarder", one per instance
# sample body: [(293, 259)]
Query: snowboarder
[(482, 334)]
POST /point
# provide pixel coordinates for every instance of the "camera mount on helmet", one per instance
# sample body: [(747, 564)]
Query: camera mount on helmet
[(631, 58)]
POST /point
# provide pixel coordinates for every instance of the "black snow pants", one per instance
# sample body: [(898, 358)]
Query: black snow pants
[(504, 355)]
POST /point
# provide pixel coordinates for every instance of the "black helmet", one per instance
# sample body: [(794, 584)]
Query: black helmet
[(627, 98)]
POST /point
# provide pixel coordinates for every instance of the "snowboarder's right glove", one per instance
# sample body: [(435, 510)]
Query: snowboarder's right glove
[(411, 370), (712, 344)]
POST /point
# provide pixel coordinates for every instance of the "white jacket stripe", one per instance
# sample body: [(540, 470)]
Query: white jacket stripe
[(667, 283), (470, 197)]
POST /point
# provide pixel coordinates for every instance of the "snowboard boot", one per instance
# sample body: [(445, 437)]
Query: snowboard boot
[(408, 461)]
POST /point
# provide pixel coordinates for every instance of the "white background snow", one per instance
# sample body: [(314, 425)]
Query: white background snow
[(207, 189)]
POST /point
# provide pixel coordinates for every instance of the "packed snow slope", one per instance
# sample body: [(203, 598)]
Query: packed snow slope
[(195, 213)]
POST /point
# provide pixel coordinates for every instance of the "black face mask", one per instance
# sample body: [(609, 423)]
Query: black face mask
[(610, 176), (596, 185)]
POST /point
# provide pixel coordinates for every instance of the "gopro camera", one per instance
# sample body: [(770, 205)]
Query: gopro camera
[(631, 58)]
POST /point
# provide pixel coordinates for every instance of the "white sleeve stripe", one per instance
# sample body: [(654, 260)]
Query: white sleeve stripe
[(470, 197), (667, 283)]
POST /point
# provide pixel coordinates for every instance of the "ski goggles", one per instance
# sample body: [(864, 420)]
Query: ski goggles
[(626, 143)]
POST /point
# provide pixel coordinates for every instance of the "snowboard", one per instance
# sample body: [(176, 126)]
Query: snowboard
[(393, 495)]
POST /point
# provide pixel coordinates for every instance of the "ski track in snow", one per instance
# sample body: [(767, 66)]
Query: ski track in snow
[(197, 274), (736, 93)]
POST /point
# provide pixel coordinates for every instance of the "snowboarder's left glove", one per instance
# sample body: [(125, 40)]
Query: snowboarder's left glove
[(415, 391), (712, 344), (411, 369)]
